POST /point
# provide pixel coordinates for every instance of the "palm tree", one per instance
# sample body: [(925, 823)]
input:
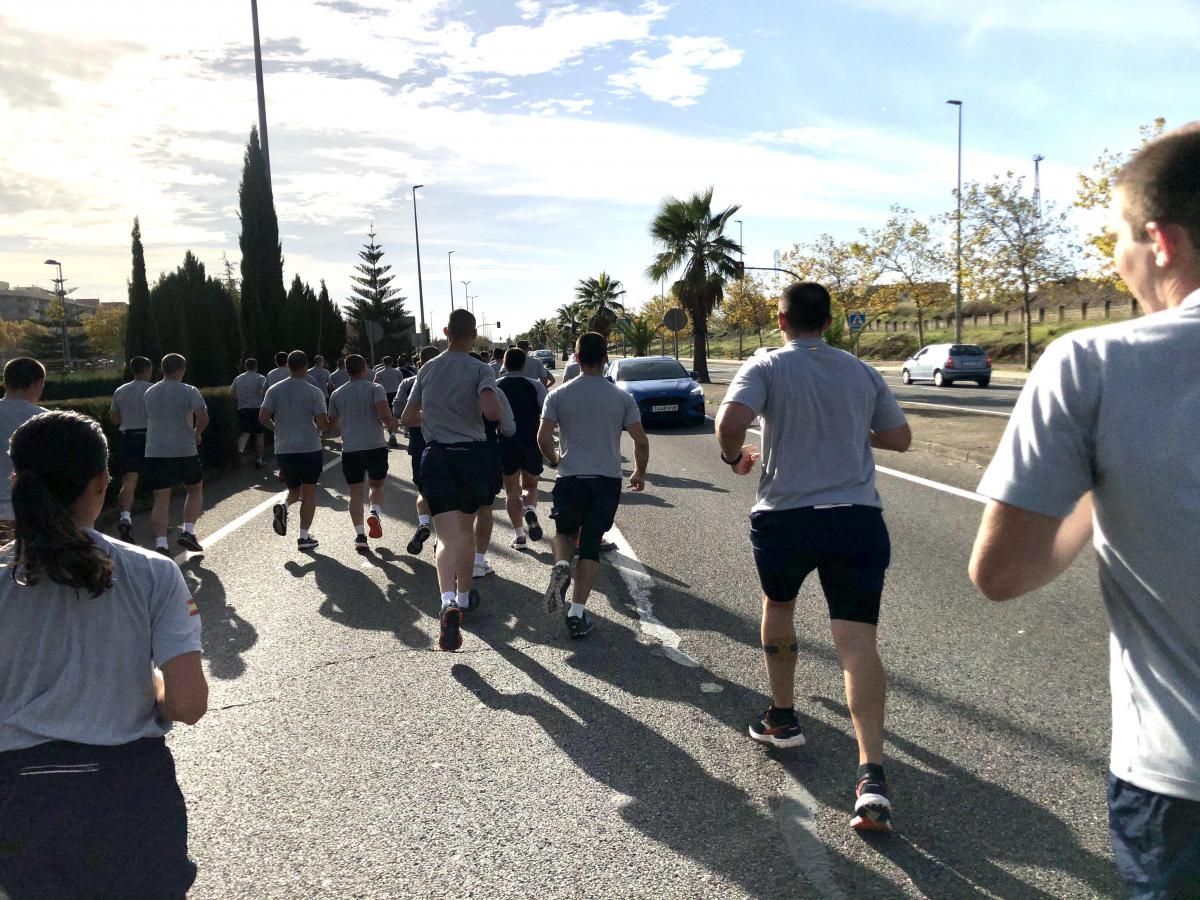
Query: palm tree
[(597, 300), (542, 332), (692, 239), (569, 321), (640, 331)]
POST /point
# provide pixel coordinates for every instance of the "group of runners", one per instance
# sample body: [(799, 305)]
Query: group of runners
[(1099, 447)]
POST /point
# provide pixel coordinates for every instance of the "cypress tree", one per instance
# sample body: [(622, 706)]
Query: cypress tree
[(331, 341), (141, 335), (375, 300), (263, 314), (197, 317)]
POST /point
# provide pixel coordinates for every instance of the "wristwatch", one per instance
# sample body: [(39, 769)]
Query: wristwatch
[(731, 462)]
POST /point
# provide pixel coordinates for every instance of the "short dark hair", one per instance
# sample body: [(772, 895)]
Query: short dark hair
[(341, 363), (251, 364), (429, 352), (590, 349), (355, 364), (172, 363), (22, 373), (523, 345), (297, 361), (461, 325), (498, 353), (805, 305), (388, 361), (478, 355), (281, 358), (139, 365), (514, 359), (318, 359), (1161, 184)]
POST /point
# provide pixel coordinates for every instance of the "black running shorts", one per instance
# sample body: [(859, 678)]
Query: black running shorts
[(416, 449), (248, 422), (133, 451), (520, 456), (458, 477), (360, 464), (847, 545), (162, 472), (301, 468), (585, 505)]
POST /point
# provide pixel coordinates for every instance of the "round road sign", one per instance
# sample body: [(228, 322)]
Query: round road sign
[(675, 319)]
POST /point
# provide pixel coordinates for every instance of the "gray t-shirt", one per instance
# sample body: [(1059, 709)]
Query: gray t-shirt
[(1116, 411), (278, 374), (337, 378), (295, 403), (818, 406), (14, 413), (320, 376), (390, 377), (402, 394), (591, 413), (129, 400), (448, 389), (571, 371), (353, 405), (79, 668), (534, 368), (248, 388), (170, 421)]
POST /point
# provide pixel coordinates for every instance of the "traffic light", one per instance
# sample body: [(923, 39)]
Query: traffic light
[(741, 269)]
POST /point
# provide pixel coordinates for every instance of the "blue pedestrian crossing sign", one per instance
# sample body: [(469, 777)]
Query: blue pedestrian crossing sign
[(857, 321)]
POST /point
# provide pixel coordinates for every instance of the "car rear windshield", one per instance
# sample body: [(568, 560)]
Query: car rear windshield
[(650, 370), (966, 350)]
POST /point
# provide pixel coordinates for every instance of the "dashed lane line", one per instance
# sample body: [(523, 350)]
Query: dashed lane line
[(954, 407)]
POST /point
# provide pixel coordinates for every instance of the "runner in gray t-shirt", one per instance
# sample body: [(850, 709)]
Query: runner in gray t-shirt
[(361, 409), (128, 413), (590, 414), (822, 411), (453, 394), (390, 377), (295, 409), (319, 374), (247, 391), (24, 381), (338, 376), (176, 416), (416, 450)]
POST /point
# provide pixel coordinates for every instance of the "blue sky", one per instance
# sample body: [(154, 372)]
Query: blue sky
[(545, 133)]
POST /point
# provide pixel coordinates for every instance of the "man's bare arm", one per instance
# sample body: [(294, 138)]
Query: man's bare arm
[(1017, 551)]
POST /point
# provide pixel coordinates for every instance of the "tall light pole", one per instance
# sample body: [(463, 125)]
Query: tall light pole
[(60, 288), (741, 248), (420, 287), (262, 100), (467, 296), (1037, 186), (450, 263), (958, 239)]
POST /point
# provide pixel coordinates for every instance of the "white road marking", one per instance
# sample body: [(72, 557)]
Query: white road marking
[(230, 527), (954, 407), (917, 479)]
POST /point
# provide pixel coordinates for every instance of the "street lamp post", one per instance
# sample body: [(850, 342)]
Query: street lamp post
[(262, 100), (60, 285), (741, 247), (958, 239), (467, 295), (420, 287), (450, 263)]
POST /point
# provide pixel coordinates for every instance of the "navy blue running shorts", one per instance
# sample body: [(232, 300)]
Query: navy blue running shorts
[(585, 505), (301, 468), (1156, 841), (162, 472), (520, 456), (458, 477), (133, 451), (847, 545), (248, 422), (358, 465)]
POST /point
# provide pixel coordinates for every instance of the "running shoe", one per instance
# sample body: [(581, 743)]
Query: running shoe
[(164, 551), (374, 526), (125, 530), (535, 529), (872, 808), (473, 600), (778, 729), (188, 541), (579, 626), (361, 545), (258, 464), (279, 520), (393, 443), (560, 580), (607, 546), (482, 570), (419, 539), (307, 543), (450, 638), (519, 543)]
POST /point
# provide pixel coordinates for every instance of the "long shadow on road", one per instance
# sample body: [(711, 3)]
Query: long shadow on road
[(225, 635)]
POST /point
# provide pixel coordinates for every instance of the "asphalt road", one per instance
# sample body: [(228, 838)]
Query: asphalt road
[(344, 756)]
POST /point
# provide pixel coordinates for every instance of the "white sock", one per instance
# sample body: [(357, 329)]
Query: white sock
[(189, 527), (520, 532), (575, 609), (303, 533), (462, 601), (422, 520), (160, 542), (359, 530), (375, 511), (531, 509), (481, 559), (125, 517), (447, 598)]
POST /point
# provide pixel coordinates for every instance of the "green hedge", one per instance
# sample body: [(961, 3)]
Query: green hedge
[(218, 447), (75, 385)]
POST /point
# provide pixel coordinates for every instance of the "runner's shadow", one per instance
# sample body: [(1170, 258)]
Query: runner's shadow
[(668, 481), (352, 598), (225, 635), (328, 499)]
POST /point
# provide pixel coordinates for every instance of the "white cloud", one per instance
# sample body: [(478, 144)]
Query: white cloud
[(553, 107), (677, 76), (529, 9)]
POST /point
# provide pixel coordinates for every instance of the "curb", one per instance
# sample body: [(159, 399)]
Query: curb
[(975, 457)]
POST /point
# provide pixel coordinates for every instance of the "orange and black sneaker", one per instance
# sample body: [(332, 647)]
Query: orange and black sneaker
[(872, 808), (778, 728)]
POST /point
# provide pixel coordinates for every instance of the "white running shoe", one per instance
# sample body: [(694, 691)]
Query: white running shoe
[(482, 571)]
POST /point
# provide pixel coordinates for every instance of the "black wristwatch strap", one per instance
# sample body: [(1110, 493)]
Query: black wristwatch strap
[(731, 462)]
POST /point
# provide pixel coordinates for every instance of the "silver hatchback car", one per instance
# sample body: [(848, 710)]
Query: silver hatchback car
[(944, 364)]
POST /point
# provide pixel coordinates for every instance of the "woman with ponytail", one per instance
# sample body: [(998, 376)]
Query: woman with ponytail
[(99, 653)]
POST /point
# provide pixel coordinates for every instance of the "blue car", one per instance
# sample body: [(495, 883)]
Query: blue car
[(665, 392)]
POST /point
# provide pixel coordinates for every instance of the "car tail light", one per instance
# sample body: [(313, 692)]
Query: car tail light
[(989, 360), (949, 362)]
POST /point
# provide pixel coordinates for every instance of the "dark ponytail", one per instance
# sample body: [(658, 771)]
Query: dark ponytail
[(54, 456)]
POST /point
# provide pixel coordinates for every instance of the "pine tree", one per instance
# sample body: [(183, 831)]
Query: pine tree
[(45, 337), (141, 334), (263, 314), (375, 300)]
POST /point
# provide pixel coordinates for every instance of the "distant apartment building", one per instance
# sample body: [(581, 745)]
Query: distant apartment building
[(22, 303)]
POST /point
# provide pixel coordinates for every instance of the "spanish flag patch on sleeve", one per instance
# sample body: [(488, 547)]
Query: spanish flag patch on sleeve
[(193, 610)]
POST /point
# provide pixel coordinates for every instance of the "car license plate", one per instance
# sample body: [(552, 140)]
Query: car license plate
[(971, 364), (665, 407)]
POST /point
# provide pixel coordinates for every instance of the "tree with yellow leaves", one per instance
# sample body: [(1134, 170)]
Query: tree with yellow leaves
[(105, 331)]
